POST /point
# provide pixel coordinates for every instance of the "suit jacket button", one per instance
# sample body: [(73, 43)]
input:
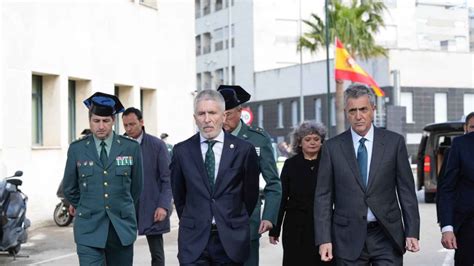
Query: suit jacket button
[(105, 172)]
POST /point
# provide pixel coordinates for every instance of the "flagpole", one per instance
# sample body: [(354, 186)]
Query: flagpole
[(301, 67), (327, 70)]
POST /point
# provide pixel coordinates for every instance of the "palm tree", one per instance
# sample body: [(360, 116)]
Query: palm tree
[(355, 25)]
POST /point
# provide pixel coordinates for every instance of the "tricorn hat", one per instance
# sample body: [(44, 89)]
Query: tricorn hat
[(103, 104), (233, 95)]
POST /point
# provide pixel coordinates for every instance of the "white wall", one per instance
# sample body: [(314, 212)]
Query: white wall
[(104, 43)]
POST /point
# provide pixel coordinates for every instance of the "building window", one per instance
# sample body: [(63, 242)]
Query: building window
[(294, 113), (198, 45), (219, 5), (206, 45), (318, 110), (218, 39), (441, 107), (227, 3), (198, 82), (260, 115), (117, 122), (72, 110), (333, 111), (150, 3), (206, 7), (468, 103), (406, 99), (37, 110), (226, 34), (280, 115), (197, 8), (219, 75), (232, 75), (207, 80)]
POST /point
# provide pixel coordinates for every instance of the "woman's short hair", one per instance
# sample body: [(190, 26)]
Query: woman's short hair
[(304, 129)]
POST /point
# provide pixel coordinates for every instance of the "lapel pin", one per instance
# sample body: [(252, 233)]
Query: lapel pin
[(88, 142), (231, 146)]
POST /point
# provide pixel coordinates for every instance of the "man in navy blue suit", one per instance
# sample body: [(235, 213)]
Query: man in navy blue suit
[(214, 178), (456, 198)]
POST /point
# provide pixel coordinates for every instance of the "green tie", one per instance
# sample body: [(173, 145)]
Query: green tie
[(210, 163), (103, 153)]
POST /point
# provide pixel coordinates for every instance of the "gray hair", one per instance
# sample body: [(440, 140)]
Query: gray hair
[(356, 90), (304, 129), (210, 95)]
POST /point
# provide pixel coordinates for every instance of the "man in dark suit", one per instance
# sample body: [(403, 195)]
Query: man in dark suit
[(154, 205), (214, 178), (365, 188), (456, 197), (234, 97), (103, 181)]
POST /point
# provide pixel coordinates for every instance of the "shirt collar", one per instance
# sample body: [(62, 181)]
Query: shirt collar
[(140, 138), (219, 138), (236, 131), (369, 136), (108, 140)]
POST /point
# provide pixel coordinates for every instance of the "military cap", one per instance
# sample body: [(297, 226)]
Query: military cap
[(103, 104), (233, 95)]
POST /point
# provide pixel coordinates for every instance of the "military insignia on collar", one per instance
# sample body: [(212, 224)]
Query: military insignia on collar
[(257, 149), (245, 136)]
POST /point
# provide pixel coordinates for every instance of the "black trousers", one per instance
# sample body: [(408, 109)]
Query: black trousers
[(113, 253), (378, 250), (464, 254), (214, 254), (155, 244)]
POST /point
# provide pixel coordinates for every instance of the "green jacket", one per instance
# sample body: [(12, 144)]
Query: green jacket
[(104, 195), (272, 191)]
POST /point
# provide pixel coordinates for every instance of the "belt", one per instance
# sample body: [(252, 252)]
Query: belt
[(371, 225), (213, 228)]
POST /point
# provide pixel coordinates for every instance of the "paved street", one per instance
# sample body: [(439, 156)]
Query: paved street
[(52, 245)]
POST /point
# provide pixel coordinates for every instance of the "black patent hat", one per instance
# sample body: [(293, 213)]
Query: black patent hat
[(233, 95), (103, 104)]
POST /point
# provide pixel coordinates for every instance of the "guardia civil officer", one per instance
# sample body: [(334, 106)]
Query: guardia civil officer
[(103, 181), (235, 96)]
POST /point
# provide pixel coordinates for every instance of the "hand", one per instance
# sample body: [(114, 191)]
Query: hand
[(71, 210), (274, 240), (265, 225), (325, 250), (448, 239), (411, 244), (160, 214)]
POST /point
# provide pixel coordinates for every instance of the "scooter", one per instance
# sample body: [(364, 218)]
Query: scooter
[(61, 215), (13, 219)]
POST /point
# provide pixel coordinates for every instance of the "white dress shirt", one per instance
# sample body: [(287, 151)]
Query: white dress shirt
[(369, 144), (217, 149)]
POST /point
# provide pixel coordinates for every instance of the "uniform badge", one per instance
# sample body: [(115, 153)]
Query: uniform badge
[(124, 160), (91, 163), (78, 164), (257, 149)]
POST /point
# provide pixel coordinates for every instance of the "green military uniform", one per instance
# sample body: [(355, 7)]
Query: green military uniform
[(272, 191), (104, 196)]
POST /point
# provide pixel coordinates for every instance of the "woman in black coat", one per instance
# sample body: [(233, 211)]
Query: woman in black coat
[(298, 180)]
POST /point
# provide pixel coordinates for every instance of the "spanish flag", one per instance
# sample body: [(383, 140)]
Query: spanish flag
[(348, 69)]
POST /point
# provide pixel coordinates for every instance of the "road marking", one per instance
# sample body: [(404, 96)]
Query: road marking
[(53, 259)]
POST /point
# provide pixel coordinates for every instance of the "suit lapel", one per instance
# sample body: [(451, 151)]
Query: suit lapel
[(378, 149), (226, 159), (114, 150), (348, 149), (91, 151), (196, 155)]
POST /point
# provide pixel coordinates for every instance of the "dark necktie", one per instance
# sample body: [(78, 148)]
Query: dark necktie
[(362, 160), (210, 163), (103, 153)]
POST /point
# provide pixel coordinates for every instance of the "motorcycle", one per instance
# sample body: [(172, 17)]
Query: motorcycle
[(61, 215), (13, 215)]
